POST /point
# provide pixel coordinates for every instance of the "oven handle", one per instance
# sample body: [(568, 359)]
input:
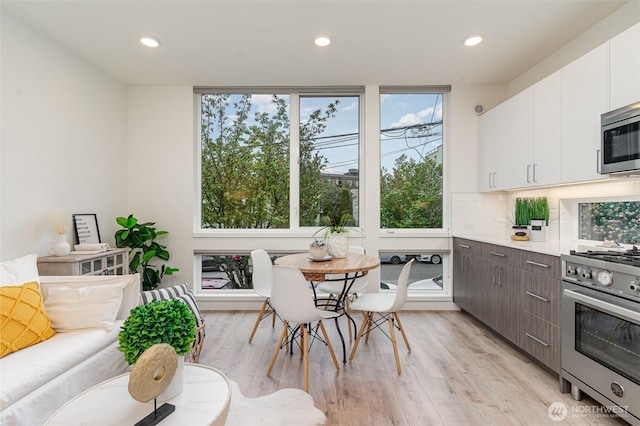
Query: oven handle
[(626, 314)]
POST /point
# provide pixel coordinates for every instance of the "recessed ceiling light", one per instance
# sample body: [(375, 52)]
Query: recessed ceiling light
[(322, 40), (472, 40), (149, 41)]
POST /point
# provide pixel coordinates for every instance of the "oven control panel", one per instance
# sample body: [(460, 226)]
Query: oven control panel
[(600, 277)]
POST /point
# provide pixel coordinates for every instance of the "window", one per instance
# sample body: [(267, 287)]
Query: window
[(426, 271), (619, 221), (411, 163)]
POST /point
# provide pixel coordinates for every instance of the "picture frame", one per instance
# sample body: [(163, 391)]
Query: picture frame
[(86, 227)]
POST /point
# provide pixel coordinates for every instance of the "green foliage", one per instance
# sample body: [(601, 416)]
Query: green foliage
[(522, 212), (159, 321), (616, 220), (531, 208), (140, 238), (411, 195)]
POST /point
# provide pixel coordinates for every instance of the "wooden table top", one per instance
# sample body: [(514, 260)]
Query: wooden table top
[(316, 271)]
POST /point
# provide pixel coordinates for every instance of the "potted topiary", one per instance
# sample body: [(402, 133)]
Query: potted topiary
[(159, 321), (141, 239)]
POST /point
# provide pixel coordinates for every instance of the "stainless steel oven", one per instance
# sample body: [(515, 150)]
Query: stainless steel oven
[(600, 352), (620, 141)]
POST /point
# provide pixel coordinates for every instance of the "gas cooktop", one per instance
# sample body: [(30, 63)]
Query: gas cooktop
[(630, 257)]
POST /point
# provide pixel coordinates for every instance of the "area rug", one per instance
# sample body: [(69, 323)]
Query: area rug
[(284, 407)]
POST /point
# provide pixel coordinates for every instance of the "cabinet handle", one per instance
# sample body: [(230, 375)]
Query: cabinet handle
[(546, 345), (531, 262), (536, 296), (528, 169), (497, 254), (490, 180), (494, 179), (534, 173), (463, 245)]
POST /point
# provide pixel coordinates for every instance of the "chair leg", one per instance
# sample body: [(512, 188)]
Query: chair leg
[(404, 335), (305, 356), (273, 319), (326, 339), (278, 347), (369, 321), (255, 327), (393, 341), (365, 321)]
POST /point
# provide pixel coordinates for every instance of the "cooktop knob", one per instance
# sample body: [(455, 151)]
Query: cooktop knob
[(571, 270), (586, 274)]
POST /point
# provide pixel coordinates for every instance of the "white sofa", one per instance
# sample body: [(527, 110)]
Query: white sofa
[(37, 380)]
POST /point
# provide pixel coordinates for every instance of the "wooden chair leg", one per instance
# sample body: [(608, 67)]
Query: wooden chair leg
[(273, 319), (393, 341), (404, 335), (369, 321), (305, 356), (255, 327), (365, 321), (326, 339), (278, 347)]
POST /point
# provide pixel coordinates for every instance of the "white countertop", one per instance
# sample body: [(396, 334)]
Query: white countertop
[(546, 247)]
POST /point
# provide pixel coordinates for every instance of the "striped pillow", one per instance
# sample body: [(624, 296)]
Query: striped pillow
[(183, 293)]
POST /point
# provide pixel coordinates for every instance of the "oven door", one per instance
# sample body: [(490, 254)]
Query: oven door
[(601, 345)]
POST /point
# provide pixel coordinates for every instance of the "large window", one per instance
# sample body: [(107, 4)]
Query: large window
[(246, 170), (411, 163), (618, 221)]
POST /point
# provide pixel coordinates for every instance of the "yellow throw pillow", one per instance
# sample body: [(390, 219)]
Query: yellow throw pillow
[(23, 320)]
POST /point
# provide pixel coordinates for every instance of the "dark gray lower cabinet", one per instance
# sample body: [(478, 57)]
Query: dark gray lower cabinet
[(515, 292)]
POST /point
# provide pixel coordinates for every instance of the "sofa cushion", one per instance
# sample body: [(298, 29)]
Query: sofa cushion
[(94, 306), (23, 320), (26, 370), (19, 271)]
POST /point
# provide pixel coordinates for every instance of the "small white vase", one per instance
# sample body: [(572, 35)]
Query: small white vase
[(177, 383), (61, 246), (338, 244)]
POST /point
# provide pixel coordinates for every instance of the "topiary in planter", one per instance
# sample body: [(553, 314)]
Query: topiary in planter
[(159, 321)]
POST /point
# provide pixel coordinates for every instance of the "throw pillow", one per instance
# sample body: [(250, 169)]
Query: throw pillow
[(23, 320), (94, 306), (19, 271), (183, 293)]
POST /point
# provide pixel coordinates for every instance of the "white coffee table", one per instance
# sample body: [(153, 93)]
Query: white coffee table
[(204, 400)]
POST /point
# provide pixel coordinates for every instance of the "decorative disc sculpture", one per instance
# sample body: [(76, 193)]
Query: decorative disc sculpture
[(150, 376)]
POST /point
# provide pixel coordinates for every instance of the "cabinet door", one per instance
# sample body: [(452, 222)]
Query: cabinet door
[(624, 68), (584, 98), (522, 140), (547, 131), (501, 147), (485, 136)]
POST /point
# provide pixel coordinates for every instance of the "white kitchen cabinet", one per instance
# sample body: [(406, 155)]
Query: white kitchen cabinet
[(535, 155), (494, 134), (624, 68), (585, 96)]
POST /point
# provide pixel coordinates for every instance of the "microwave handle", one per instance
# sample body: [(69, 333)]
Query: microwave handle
[(626, 314)]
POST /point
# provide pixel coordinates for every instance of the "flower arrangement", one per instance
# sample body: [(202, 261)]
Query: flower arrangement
[(159, 321)]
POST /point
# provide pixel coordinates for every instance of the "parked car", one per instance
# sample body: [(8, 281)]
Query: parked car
[(436, 259), (434, 283), (394, 259)]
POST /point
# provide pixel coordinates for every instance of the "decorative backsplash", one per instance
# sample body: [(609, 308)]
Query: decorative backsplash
[(619, 221)]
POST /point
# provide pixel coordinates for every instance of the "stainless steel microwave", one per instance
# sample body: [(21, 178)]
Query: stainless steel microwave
[(620, 148)]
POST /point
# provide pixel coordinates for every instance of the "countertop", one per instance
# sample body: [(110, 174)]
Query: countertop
[(545, 247)]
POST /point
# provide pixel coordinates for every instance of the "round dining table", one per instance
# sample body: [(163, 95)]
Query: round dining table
[(351, 267)]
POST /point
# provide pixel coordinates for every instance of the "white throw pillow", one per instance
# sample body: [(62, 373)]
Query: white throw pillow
[(19, 271), (71, 309)]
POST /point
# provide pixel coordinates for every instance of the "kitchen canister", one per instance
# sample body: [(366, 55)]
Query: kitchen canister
[(537, 230)]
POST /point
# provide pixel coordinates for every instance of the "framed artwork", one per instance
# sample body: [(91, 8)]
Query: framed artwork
[(86, 226)]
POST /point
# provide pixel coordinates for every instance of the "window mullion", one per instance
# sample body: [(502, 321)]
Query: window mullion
[(294, 161)]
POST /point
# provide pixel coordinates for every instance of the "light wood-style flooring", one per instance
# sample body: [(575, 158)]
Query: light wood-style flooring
[(458, 373)]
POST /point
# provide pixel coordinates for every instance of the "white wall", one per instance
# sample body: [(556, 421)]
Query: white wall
[(63, 145)]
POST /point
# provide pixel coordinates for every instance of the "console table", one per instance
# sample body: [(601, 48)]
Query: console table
[(110, 262), (204, 400)]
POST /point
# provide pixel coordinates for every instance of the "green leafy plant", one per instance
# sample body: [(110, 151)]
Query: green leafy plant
[(539, 209), (141, 239), (159, 321), (522, 212)]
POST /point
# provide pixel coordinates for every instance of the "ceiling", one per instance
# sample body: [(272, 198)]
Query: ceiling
[(270, 43)]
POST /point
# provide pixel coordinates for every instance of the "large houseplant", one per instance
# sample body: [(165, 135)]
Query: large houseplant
[(141, 239)]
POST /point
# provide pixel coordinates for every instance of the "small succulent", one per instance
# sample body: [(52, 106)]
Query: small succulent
[(318, 243)]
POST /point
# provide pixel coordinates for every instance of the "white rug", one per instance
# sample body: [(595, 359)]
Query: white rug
[(284, 407)]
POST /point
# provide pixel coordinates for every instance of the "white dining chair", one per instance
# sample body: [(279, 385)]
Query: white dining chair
[(379, 308), (262, 281), (294, 303)]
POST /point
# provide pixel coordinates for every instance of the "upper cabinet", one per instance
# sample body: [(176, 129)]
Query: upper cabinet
[(585, 96), (494, 146), (537, 133), (624, 68)]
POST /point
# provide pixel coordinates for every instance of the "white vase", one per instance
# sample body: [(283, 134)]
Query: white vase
[(177, 383), (338, 244), (61, 246)]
